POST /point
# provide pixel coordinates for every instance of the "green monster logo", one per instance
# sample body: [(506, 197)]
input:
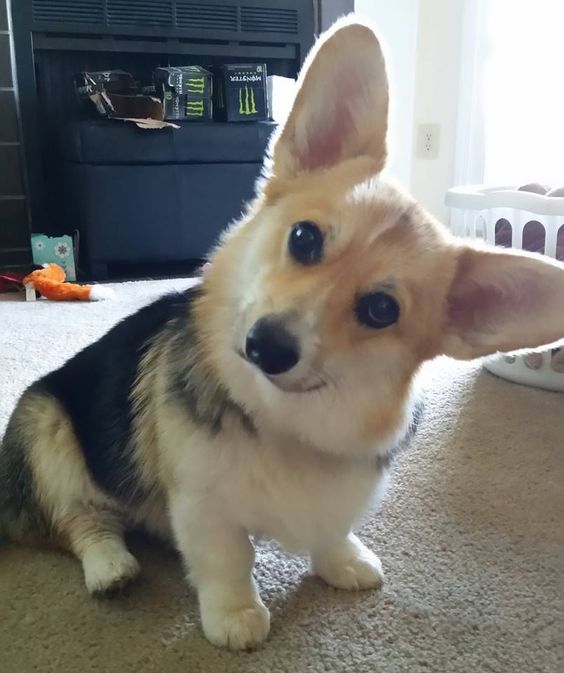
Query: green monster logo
[(196, 84), (194, 108), (247, 101)]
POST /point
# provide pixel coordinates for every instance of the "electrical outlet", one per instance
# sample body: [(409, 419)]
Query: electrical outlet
[(428, 141)]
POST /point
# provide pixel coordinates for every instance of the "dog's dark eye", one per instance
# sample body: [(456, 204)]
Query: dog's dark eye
[(306, 243), (377, 310)]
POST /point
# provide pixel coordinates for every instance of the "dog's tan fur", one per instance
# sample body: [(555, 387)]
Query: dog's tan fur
[(233, 453)]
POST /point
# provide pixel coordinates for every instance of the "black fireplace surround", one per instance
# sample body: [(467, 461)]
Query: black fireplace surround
[(140, 196)]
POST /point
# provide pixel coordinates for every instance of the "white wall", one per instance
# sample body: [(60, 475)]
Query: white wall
[(423, 39), (436, 98), (396, 22)]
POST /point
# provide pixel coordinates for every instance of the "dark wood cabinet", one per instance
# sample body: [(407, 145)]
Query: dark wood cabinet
[(14, 220)]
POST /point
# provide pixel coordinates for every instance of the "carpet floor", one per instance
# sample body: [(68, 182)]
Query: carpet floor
[(470, 533)]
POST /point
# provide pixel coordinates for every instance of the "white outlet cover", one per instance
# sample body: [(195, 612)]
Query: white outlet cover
[(428, 137)]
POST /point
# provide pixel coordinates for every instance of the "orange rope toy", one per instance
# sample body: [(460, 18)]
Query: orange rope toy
[(50, 283)]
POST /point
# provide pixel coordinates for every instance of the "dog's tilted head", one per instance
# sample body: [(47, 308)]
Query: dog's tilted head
[(337, 285)]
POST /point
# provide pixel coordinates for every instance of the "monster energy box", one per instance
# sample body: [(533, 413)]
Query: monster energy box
[(241, 94), (185, 92)]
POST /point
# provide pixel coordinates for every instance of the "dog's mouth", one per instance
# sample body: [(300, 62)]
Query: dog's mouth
[(304, 385), (297, 386)]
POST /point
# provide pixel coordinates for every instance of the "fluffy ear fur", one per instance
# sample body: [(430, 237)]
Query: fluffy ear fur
[(503, 301), (341, 108)]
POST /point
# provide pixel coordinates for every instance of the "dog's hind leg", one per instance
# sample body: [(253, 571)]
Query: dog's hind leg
[(77, 514)]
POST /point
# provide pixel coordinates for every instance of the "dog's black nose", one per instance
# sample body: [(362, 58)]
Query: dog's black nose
[(271, 347)]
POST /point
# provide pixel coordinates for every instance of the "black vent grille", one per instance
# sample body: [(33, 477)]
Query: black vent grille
[(207, 17), (269, 20), (170, 14), (68, 11), (139, 13)]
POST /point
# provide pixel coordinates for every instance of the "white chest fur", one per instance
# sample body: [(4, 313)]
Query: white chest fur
[(269, 486)]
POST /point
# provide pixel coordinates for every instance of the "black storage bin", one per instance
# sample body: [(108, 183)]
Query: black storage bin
[(154, 196)]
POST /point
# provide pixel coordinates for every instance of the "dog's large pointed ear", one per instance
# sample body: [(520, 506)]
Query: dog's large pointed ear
[(341, 108), (502, 301)]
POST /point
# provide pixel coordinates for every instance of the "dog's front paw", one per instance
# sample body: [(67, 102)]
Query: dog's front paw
[(352, 567), (241, 628), (108, 568)]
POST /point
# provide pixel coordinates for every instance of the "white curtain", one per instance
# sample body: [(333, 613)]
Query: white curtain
[(469, 153), (511, 105)]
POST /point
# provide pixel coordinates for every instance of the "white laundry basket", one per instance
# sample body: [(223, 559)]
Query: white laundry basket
[(503, 215)]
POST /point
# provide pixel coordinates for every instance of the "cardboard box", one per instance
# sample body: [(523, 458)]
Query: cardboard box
[(100, 87), (242, 93), (115, 94), (112, 81), (185, 92)]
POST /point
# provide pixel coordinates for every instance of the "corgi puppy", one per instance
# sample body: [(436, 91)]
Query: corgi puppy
[(267, 399)]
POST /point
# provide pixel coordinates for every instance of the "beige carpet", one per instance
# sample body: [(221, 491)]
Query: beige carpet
[(471, 535)]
